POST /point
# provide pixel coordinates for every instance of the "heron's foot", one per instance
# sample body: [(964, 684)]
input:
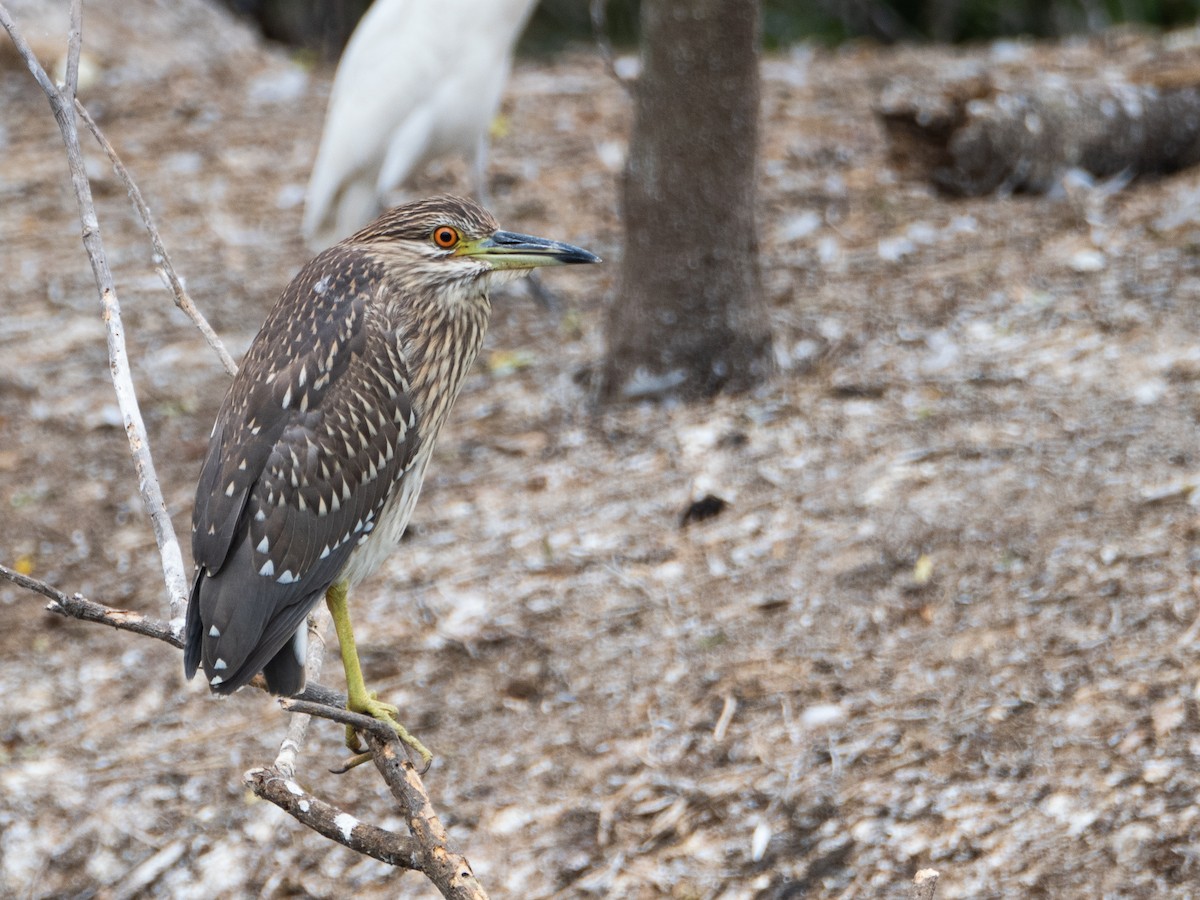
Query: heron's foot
[(384, 712), (352, 763)]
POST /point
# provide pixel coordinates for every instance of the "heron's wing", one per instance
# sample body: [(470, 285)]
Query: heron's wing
[(315, 434)]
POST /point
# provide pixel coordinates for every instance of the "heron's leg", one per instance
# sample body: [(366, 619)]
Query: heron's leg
[(358, 698)]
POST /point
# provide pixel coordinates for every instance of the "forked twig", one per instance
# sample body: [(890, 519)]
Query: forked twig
[(330, 821), (182, 299), (339, 714), (79, 607), (63, 106), (599, 18), (427, 850)]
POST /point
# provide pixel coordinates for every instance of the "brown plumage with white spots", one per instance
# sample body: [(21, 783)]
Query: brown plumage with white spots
[(319, 449)]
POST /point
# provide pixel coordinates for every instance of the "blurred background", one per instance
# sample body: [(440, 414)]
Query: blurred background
[(925, 597), (323, 26)]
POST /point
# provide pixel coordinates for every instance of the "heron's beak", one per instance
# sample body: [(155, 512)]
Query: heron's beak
[(509, 250)]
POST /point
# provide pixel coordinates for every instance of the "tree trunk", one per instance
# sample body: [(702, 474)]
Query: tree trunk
[(689, 319)]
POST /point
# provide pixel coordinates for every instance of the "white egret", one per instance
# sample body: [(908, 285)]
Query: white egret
[(419, 80)]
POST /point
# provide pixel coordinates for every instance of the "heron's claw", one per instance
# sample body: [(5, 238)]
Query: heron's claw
[(352, 763), (385, 712)]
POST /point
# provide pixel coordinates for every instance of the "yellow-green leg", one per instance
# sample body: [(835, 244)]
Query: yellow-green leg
[(359, 700)]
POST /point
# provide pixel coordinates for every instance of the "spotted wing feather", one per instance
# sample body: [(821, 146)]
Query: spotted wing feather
[(315, 434)]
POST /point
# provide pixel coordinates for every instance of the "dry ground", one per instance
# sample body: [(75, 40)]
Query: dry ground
[(949, 619)]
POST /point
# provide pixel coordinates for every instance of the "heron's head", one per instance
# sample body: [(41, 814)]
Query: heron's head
[(449, 243), (437, 259)]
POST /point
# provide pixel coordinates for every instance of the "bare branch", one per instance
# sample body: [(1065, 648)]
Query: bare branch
[(924, 885), (293, 740), (27, 55), (338, 714), (318, 693), (447, 869), (182, 299), (599, 17), (74, 49), (333, 823), (135, 429), (428, 851), (79, 607)]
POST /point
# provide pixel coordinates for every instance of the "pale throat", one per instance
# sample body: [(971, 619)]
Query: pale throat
[(444, 351)]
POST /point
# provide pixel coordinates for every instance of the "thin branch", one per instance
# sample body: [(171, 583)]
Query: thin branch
[(79, 607), (429, 851), (335, 824), (182, 299), (74, 50), (325, 696), (135, 429), (339, 714), (314, 659), (446, 868), (924, 885), (426, 851), (599, 17)]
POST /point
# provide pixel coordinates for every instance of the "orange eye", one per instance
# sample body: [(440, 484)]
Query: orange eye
[(446, 237)]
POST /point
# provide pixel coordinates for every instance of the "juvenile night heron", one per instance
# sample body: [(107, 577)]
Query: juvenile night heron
[(319, 449), (418, 81)]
